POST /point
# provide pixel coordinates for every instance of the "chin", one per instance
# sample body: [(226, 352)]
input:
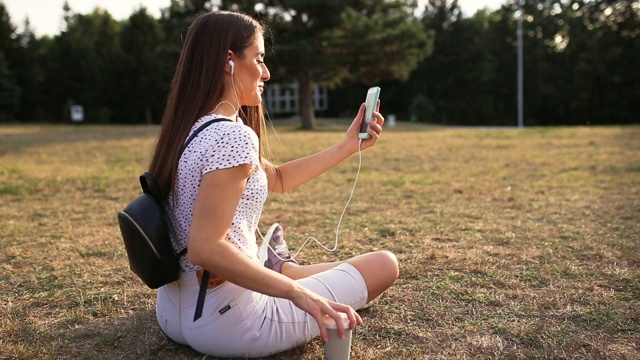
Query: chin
[(255, 103)]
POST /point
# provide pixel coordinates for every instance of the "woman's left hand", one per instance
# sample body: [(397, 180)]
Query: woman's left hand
[(374, 131)]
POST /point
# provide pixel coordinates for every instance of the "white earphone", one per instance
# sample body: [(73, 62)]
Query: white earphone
[(232, 66)]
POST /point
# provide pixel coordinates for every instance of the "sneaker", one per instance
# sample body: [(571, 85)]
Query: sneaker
[(278, 253)]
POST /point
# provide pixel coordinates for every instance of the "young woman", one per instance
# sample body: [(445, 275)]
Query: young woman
[(217, 190)]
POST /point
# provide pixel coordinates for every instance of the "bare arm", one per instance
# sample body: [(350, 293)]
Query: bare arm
[(300, 171), (218, 197)]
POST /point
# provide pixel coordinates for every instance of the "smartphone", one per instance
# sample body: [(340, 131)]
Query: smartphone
[(370, 102)]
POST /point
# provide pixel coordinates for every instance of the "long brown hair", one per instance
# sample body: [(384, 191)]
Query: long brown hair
[(198, 86)]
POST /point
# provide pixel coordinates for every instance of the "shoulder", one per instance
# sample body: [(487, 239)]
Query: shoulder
[(224, 138), (224, 129)]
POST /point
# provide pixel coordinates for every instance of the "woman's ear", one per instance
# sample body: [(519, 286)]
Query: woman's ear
[(230, 62), (232, 65)]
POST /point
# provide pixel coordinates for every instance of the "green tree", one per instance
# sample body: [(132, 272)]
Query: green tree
[(580, 62), (142, 86), (30, 74), (330, 42), (607, 76), (580, 59), (174, 22), (84, 65), (544, 60), (21, 73), (455, 77), (9, 89), (500, 44)]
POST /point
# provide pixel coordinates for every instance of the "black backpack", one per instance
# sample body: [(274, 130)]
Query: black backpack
[(146, 234)]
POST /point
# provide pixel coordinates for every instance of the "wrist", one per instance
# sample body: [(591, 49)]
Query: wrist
[(346, 149), (295, 292)]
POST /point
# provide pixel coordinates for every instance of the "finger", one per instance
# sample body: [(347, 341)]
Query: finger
[(374, 130), (332, 312), (378, 105), (354, 319), (375, 126), (378, 118), (361, 110), (323, 328), (374, 137), (339, 324), (360, 115), (357, 121)]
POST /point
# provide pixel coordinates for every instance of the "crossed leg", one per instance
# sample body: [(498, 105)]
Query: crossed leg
[(379, 270)]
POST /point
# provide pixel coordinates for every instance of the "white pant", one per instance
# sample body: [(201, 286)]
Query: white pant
[(237, 322)]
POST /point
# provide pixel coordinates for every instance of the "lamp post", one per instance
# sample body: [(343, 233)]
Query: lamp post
[(520, 66)]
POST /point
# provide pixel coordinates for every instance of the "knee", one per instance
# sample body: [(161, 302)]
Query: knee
[(388, 261)]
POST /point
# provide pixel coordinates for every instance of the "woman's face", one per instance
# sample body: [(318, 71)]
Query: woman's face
[(251, 73)]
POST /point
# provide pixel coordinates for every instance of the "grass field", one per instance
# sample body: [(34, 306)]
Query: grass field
[(513, 244)]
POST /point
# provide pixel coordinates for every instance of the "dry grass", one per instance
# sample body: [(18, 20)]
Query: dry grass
[(513, 244)]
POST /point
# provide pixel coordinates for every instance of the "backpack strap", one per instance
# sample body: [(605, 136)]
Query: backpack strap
[(202, 292), (145, 179), (198, 130), (181, 253), (184, 147), (204, 282)]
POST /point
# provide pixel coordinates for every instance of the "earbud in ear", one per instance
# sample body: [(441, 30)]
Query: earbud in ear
[(232, 66)]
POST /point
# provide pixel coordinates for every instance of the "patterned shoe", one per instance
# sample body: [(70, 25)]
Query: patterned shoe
[(278, 252)]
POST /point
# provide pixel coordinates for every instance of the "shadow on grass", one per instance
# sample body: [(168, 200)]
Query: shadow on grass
[(18, 139), (134, 337)]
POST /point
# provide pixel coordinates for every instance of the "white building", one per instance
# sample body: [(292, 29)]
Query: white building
[(285, 99)]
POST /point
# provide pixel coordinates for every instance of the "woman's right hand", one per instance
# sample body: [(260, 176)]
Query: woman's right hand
[(351, 141), (319, 307)]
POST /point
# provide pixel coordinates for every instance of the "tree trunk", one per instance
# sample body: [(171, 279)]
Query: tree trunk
[(147, 116), (307, 113)]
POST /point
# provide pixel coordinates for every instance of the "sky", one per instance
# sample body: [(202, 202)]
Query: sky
[(45, 16)]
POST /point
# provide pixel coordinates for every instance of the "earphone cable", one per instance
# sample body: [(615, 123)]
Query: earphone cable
[(344, 210)]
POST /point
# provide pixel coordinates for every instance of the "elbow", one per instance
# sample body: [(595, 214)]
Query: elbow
[(194, 257), (195, 254), (205, 253)]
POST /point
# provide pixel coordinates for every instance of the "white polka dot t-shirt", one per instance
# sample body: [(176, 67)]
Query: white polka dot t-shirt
[(221, 145)]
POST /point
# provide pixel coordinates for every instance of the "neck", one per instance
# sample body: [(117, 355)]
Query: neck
[(225, 108)]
